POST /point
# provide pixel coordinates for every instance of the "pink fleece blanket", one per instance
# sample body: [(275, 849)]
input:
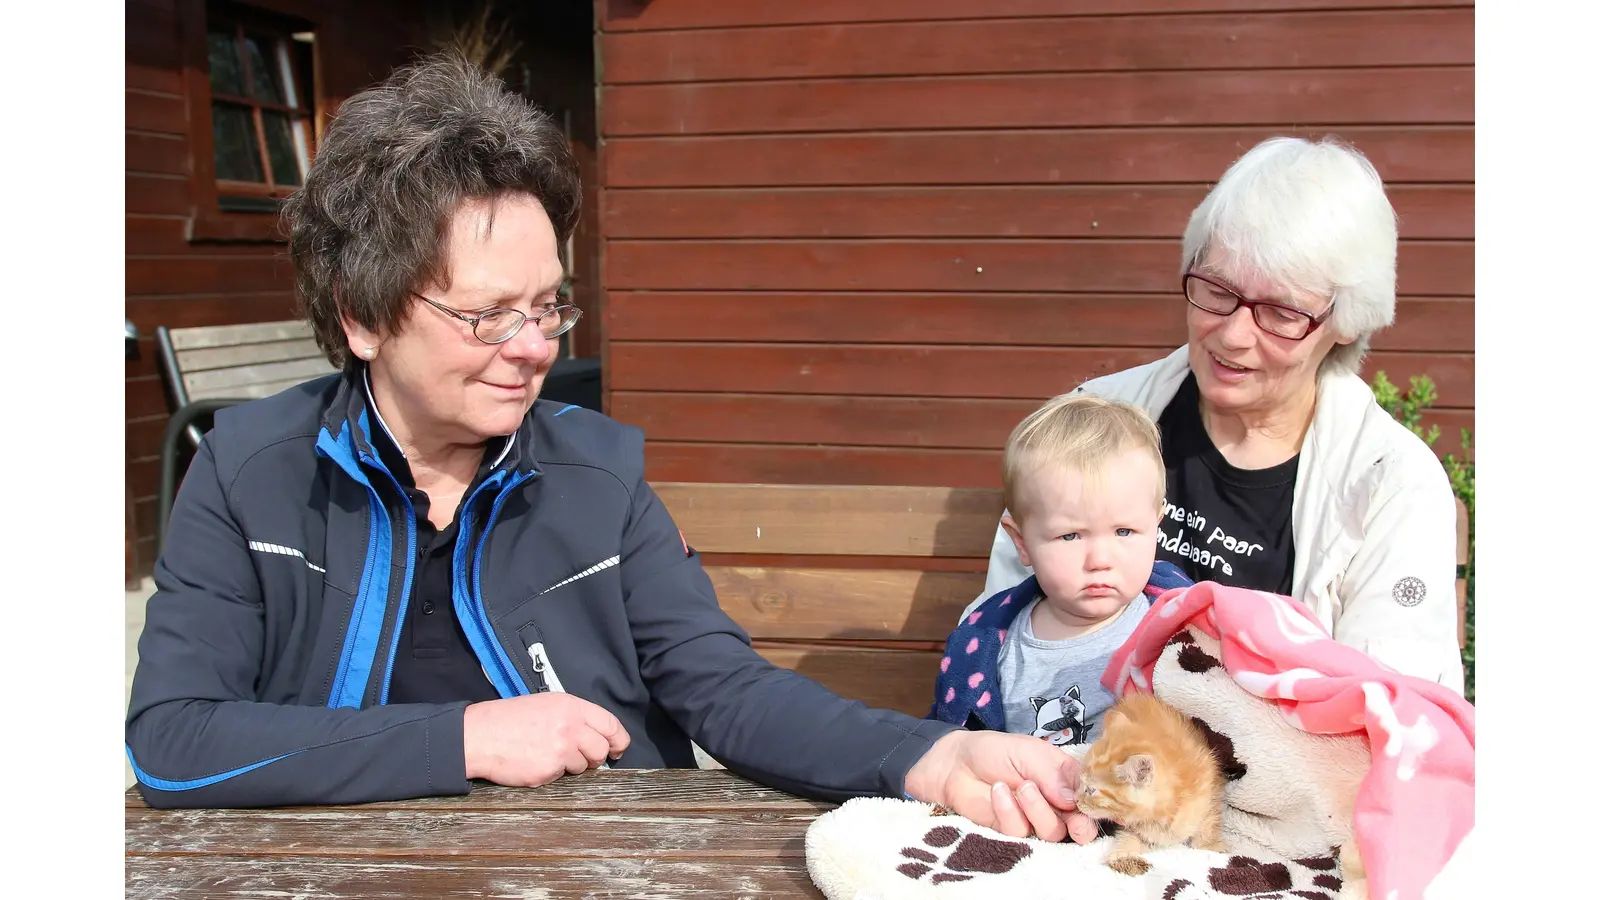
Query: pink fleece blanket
[(1416, 802)]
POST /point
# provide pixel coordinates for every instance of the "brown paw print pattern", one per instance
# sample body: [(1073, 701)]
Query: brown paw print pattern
[(1242, 876), (1324, 867), (1195, 660), (972, 853), (1246, 877), (1221, 748)]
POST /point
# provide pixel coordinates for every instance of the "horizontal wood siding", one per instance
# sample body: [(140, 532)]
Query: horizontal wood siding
[(655, 15), (1404, 154), (856, 242), (1432, 212), (978, 46)]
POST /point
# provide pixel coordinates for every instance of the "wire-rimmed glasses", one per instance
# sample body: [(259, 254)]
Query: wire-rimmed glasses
[(497, 326)]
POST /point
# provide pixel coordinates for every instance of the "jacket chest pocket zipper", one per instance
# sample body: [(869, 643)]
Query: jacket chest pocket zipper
[(541, 665), (547, 675)]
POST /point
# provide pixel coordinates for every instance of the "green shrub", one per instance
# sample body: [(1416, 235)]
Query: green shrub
[(1407, 409)]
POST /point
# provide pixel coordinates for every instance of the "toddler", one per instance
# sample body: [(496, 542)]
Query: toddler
[(1084, 484)]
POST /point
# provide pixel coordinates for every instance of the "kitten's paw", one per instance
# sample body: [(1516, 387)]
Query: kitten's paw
[(1128, 865), (972, 852)]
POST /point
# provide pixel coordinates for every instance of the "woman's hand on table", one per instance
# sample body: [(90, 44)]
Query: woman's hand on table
[(1016, 784), (534, 739)]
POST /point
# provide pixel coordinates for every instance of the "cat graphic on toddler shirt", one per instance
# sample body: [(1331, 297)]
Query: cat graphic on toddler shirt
[(1059, 720)]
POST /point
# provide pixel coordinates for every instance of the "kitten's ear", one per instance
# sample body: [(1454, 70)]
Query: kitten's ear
[(1137, 770)]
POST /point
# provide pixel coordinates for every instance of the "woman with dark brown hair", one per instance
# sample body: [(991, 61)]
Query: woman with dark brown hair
[(413, 573)]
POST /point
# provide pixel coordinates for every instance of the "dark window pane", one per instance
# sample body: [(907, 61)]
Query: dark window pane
[(225, 203), (280, 148), (264, 77), (226, 76), (238, 155), (300, 53)]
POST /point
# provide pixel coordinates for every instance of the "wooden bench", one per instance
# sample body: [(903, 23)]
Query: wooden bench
[(208, 368), (856, 586)]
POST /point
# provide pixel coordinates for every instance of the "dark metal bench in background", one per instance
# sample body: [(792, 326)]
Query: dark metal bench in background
[(213, 367)]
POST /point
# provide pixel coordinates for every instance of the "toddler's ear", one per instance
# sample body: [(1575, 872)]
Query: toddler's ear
[(1010, 525), (1137, 770)]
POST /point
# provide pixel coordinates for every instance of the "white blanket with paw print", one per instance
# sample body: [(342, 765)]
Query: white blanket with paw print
[(1291, 797)]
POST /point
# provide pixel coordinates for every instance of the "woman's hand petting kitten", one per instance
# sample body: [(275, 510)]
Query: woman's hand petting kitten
[(1152, 772)]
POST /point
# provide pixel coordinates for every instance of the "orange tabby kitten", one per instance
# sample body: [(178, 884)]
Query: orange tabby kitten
[(1152, 773)]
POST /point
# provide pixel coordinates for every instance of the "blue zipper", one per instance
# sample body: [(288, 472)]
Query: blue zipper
[(411, 564), (508, 670), (469, 612), (468, 601), (336, 697), (345, 691)]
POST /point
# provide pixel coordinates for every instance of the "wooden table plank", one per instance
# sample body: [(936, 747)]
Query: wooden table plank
[(633, 790), (344, 833), (636, 833), (178, 878)]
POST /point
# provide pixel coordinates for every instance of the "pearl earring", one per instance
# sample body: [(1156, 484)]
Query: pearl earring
[(370, 352)]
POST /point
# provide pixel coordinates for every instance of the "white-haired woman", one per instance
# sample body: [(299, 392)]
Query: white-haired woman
[(1283, 473)]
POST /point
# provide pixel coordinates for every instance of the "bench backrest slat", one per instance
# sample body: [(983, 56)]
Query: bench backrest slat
[(884, 679), (251, 391), (239, 362), (245, 381), (835, 520), (206, 358), (856, 604), (204, 336)]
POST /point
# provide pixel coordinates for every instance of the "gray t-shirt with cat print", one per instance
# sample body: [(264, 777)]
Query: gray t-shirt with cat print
[(1051, 689)]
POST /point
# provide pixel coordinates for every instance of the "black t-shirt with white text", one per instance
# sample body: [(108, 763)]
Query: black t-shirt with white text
[(1221, 523)]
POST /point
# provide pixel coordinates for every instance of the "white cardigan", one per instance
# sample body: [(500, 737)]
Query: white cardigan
[(1373, 514)]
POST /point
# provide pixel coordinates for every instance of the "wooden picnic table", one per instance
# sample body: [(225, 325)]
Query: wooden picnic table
[(610, 833)]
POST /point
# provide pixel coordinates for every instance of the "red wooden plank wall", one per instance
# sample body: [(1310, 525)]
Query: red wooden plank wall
[(856, 242)]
